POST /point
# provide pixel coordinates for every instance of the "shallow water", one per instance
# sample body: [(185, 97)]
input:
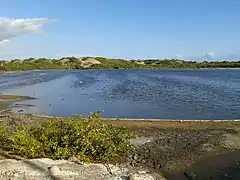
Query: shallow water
[(163, 94)]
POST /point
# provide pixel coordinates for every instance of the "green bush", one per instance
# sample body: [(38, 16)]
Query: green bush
[(3, 134), (87, 138)]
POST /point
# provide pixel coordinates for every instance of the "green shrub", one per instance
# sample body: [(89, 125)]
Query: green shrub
[(3, 134), (87, 138), (24, 143)]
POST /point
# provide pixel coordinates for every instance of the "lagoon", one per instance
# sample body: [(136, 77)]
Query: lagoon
[(155, 94)]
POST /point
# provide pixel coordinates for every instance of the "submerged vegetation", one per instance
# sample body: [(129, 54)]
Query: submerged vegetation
[(87, 138), (106, 63)]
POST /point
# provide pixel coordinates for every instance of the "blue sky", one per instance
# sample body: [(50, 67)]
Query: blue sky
[(192, 29)]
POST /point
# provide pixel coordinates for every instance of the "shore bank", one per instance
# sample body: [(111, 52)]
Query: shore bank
[(177, 149)]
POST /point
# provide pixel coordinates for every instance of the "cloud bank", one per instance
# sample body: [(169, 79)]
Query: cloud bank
[(10, 28)]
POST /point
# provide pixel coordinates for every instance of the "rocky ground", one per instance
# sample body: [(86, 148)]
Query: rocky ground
[(180, 150), (187, 150), (173, 153)]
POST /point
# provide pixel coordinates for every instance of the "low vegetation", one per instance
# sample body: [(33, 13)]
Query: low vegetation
[(87, 138), (107, 63)]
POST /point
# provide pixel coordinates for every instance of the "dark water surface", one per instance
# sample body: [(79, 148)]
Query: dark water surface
[(165, 94)]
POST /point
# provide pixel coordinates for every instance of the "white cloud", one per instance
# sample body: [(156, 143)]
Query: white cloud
[(3, 42), (10, 28), (209, 54)]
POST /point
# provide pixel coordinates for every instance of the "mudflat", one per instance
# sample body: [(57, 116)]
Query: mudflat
[(6, 100), (187, 149)]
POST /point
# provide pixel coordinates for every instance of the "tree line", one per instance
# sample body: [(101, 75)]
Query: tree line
[(107, 63)]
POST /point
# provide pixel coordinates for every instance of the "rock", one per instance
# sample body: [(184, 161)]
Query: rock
[(47, 169), (142, 176), (231, 141), (206, 147), (132, 164), (135, 157), (115, 171), (55, 171)]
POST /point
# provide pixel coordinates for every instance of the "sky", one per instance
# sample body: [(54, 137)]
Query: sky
[(131, 29)]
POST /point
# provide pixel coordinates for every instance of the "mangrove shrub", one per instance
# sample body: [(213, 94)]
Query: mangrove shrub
[(87, 138)]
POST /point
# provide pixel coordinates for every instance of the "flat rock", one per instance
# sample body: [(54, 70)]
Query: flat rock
[(46, 169)]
